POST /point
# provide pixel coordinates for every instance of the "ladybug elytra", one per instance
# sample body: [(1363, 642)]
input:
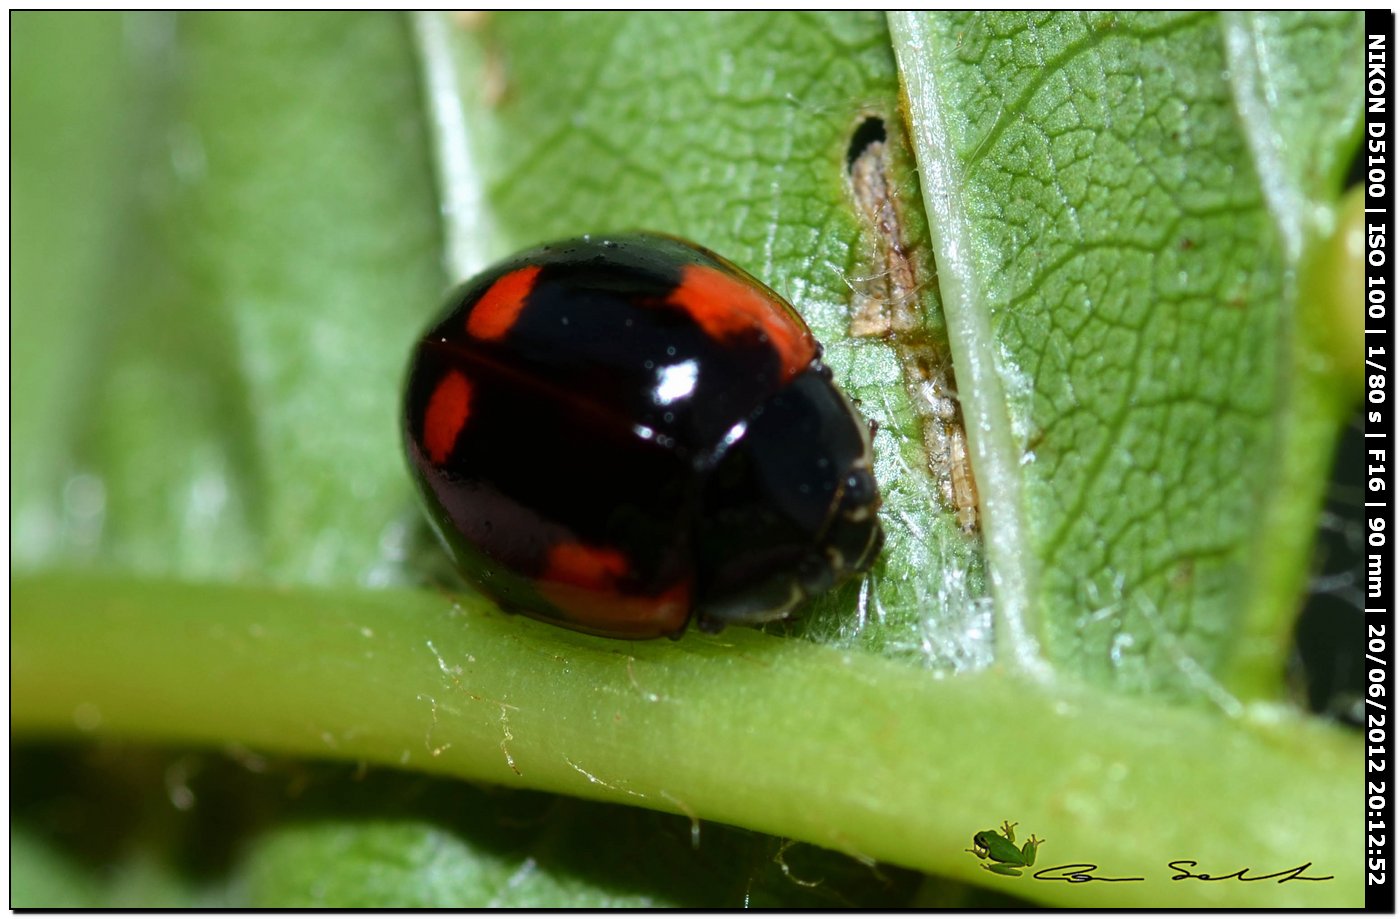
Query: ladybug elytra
[(617, 434)]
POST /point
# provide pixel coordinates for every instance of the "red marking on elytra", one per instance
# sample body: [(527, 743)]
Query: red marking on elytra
[(446, 415), (621, 615), (584, 566), (724, 305), (584, 580), (498, 309)]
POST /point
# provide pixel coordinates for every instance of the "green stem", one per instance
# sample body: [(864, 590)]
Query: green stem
[(840, 749)]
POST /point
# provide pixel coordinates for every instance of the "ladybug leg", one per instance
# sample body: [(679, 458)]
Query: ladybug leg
[(510, 607), (874, 427), (707, 625)]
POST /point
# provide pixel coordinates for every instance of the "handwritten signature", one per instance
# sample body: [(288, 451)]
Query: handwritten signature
[(1083, 872)]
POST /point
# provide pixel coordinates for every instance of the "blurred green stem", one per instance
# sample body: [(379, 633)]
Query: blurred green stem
[(863, 755)]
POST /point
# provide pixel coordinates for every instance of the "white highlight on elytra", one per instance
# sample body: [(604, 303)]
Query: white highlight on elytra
[(675, 382)]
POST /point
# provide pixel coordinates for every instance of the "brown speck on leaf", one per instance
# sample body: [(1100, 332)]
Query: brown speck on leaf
[(495, 82), (471, 19), (887, 303), (494, 78)]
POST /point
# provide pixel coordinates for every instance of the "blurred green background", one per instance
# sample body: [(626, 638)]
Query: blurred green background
[(228, 228)]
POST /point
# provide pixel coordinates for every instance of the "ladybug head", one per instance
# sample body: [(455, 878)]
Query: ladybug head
[(789, 509)]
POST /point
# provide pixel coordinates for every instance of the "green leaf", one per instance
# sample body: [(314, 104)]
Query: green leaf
[(233, 225), (237, 414), (68, 150), (738, 138), (1118, 210)]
